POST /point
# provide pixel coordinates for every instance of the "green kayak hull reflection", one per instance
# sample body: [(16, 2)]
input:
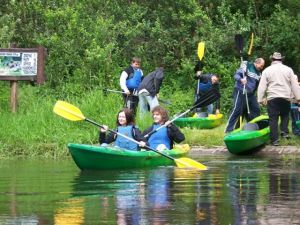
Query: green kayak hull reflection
[(95, 157), (200, 122), (242, 141)]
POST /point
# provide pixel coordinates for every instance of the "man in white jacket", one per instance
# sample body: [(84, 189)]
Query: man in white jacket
[(276, 86)]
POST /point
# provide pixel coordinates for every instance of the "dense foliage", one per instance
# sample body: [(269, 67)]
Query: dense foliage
[(90, 42)]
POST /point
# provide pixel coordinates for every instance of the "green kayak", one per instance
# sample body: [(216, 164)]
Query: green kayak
[(253, 134), (200, 123), (298, 124), (95, 157)]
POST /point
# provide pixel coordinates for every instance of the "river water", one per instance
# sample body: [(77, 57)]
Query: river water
[(235, 190)]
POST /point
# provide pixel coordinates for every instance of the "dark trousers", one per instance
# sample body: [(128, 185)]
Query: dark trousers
[(131, 102), (239, 106), (278, 108)]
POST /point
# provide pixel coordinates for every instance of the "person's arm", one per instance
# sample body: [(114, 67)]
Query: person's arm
[(175, 134), (106, 139), (147, 131), (138, 135), (158, 78), (123, 78), (218, 105), (262, 86), (295, 86)]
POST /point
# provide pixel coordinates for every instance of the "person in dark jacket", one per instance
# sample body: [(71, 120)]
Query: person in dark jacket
[(148, 90), (126, 126), (205, 83), (164, 137), (246, 82)]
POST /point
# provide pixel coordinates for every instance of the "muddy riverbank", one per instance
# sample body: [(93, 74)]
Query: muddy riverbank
[(268, 149)]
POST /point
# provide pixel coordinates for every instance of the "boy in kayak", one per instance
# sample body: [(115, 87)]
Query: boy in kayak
[(126, 126), (165, 133)]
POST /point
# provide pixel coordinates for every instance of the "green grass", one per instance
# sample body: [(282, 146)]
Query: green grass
[(36, 131)]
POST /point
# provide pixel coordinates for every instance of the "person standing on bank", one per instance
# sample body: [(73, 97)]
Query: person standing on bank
[(130, 80), (277, 84), (247, 75), (206, 82), (148, 90)]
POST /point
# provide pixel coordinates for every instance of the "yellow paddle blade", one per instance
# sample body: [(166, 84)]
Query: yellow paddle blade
[(68, 111), (251, 44), (201, 47), (188, 162)]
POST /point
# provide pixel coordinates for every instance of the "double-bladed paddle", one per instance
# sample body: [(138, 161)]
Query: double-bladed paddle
[(240, 45), (200, 50), (251, 44), (200, 53), (71, 112), (164, 101), (206, 99)]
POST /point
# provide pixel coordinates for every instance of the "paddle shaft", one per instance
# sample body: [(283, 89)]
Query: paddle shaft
[(122, 92), (129, 138), (180, 115), (239, 45)]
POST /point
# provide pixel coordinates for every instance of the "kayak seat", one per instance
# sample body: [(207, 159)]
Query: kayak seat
[(250, 126), (263, 124), (202, 114)]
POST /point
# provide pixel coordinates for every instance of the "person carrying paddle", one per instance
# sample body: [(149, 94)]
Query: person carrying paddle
[(126, 126), (278, 83), (148, 90), (130, 80), (166, 133), (246, 81), (205, 83)]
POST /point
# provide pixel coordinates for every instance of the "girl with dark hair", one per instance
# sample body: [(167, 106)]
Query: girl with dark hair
[(126, 126), (165, 137)]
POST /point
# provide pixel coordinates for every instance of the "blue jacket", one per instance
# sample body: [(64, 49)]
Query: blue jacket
[(253, 76)]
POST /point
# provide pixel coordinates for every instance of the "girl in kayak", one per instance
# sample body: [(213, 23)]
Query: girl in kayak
[(166, 133), (126, 126)]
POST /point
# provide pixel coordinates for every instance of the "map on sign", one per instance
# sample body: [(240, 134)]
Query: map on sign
[(18, 63)]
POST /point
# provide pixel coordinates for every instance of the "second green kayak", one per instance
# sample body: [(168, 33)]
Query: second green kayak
[(298, 124), (95, 157), (242, 141), (200, 123)]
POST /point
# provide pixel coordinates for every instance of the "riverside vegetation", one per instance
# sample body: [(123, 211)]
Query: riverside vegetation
[(36, 131), (90, 42)]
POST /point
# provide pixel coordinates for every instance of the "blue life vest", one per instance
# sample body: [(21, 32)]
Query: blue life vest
[(204, 87), (159, 137), (122, 142), (133, 81)]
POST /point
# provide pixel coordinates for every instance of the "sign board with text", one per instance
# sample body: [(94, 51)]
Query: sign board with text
[(22, 64)]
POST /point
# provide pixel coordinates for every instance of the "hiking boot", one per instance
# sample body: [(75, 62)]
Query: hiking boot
[(285, 135), (275, 143)]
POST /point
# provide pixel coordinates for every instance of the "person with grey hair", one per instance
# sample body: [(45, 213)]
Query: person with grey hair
[(277, 84), (246, 81)]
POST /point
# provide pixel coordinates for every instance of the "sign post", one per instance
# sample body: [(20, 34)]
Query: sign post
[(22, 64)]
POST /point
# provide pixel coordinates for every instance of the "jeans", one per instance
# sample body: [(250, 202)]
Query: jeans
[(145, 99), (209, 109)]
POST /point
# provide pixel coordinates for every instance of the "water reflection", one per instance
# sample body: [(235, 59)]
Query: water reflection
[(235, 190)]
